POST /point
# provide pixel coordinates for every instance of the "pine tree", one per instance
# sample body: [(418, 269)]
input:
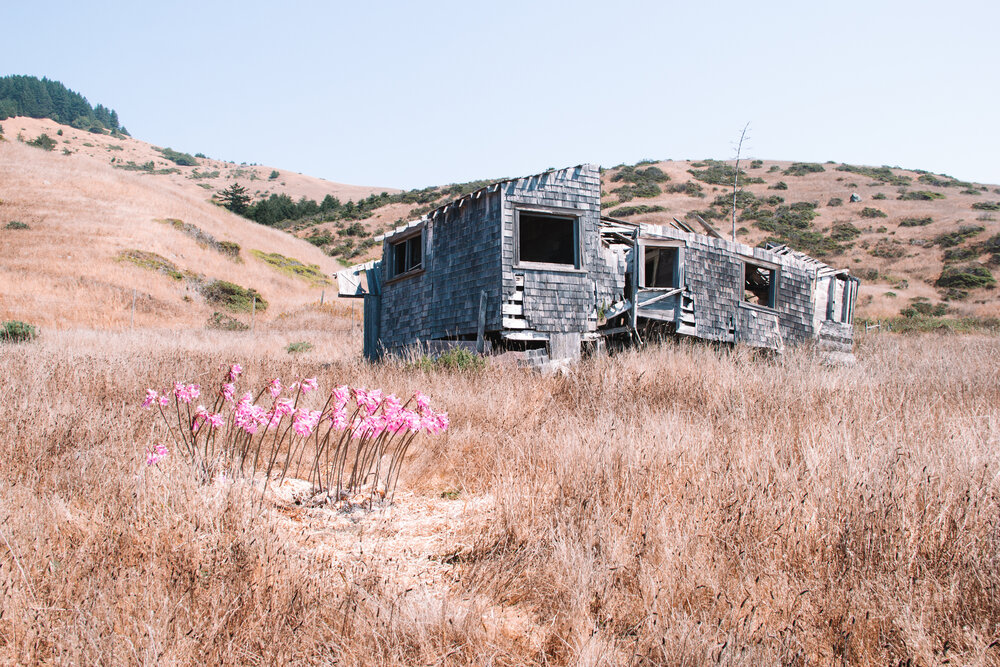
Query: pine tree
[(235, 198)]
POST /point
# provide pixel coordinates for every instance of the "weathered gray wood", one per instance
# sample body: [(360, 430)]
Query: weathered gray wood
[(514, 323), (373, 310), (481, 328), (512, 309), (660, 297)]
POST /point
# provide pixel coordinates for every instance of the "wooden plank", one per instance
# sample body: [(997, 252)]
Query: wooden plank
[(481, 326), (519, 281), (512, 309), (525, 335), (659, 297), (513, 323)]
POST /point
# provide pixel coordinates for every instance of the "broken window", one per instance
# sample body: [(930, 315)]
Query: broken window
[(661, 267), (547, 239), (407, 255), (759, 284)]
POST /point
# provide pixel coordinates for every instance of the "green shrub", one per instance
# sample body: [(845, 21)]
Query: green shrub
[(844, 231), (301, 346), (153, 262), (986, 205), (887, 249), (774, 168), (689, 188), (803, 168), (869, 212), (630, 192), (926, 308), (835, 201), (178, 158), (756, 164), (311, 273), (625, 211), (233, 297), (274, 175), (881, 174), (951, 239), (960, 254), (915, 222), (720, 173), (640, 176), (879, 196), (455, 359), (16, 224), (43, 141), (230, 248), (13, 331), (780, 185), (224, 322), (969, 276), (920, 195)]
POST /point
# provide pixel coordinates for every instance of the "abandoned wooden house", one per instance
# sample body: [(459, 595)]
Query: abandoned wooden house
[(530, 263)]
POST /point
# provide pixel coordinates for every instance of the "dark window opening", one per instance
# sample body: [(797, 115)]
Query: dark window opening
[(407, 255), (759, 285), (547, 239), (661, 267)]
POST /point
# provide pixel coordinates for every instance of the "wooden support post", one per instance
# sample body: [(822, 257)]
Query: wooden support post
[(131, 323), (253, 315), (321, 296), (481, 328)]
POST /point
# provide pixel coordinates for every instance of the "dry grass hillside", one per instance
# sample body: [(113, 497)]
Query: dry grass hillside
[(681, 504), (94, 233), (905, 230)]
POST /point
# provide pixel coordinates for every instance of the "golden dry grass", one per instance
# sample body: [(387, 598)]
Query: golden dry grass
[(64, 271), (678, 505)]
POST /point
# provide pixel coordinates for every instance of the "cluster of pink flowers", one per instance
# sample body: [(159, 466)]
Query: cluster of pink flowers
[(185, 393), (374, 413), (156, 454), (202, 416), (152, 398), (378, 412)]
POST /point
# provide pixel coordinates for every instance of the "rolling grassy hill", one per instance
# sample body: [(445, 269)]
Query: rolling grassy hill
[(106, 214)]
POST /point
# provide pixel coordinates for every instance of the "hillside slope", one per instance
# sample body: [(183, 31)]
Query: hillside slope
[(94, 233), (905, 229)]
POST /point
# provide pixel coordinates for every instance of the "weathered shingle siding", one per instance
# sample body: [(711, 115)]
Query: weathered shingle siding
[(713, 270), (561, 301), (461, 258)]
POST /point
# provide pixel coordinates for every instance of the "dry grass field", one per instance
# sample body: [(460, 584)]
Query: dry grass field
[(677, 505)]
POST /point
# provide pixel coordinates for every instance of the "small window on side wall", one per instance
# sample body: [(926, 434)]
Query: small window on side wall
[(760, 284), (407, 255), (661, 270), (548, 239)]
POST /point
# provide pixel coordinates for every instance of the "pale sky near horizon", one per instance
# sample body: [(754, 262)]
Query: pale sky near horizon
[(407, 94)]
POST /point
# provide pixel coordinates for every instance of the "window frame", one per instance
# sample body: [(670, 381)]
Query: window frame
[(404, 242), (773, 291), (679, 274), (575, 215)]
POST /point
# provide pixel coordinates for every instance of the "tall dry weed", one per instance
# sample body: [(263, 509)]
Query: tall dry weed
[(681, 504)]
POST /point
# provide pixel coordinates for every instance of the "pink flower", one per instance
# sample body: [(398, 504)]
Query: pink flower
[(151, 397), (309, 384), (186, 393), (227, 391), (284, 407), (423, 401), (341, 395), (164, 401), (275, 387), (339, 418), (156, 454), (216, 420), (234, 372), (305, 421)]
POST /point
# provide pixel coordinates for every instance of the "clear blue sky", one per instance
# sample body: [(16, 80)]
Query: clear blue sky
[(410, 94)]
